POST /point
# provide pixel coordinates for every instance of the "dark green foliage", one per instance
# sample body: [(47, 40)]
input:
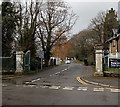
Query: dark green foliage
[(8, 27), (26, 26), (35, 63), (109, 24)]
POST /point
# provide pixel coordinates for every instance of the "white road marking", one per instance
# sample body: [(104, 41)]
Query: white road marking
[(55, 87), (63, 70), (82, 88), (4, 85), (18, 85), (115, 90), (35, 80), (68, 88), (43, 86), (98, 89), (57, 73), (52, 74), (29, 86), (27, 82)]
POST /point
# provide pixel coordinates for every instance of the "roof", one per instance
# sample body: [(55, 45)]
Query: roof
[(113, 38)]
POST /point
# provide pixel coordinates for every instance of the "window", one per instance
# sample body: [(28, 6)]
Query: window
[(114, 43)]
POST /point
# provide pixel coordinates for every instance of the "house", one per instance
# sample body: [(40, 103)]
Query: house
[(114, 49)]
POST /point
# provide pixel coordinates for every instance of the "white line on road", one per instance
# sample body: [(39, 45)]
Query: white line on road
[(43, 86), (27, 82), (98, 89), (35, 80), (29, 86), (4, 85), (115, 90), (82, 88), (68, 88), (55, 87), (57, 73)]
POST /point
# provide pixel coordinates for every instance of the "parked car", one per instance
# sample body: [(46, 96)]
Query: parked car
[(67, 61)]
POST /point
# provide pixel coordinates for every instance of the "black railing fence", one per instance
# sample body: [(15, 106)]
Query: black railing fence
[(8, 64)]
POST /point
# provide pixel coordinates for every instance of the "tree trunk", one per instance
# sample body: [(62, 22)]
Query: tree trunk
[(47, 58)]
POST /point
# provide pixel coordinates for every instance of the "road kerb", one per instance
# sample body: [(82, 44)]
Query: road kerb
[(86, 82), (10, 77)]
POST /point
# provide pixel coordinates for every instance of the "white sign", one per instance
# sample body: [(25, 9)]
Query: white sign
[(41, 55)]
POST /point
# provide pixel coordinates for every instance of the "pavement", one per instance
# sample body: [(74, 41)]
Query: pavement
[(112, 82)]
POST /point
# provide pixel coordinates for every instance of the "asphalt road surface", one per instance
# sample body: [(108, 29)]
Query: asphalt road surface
[(56, 86)]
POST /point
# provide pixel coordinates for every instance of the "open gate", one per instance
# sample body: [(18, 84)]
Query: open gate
[(26, 61)]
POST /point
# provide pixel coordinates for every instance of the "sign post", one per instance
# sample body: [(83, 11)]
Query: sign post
[(41, 64), (42, 57)]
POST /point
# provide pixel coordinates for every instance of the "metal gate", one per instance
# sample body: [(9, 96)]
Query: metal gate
[(105, 64), (26, 61)]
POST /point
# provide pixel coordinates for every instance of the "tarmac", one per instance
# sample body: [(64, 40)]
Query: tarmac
[(109, 82)]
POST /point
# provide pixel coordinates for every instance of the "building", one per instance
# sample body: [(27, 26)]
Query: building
[(114, 49)]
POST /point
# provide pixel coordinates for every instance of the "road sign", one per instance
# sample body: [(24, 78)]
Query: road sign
[(114, 63), (41, 55)]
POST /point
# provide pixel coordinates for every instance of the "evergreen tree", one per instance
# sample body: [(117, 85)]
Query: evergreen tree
[(8, 27), (109, 24)]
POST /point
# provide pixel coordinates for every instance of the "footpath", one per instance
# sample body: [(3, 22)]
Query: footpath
[(108, 82)]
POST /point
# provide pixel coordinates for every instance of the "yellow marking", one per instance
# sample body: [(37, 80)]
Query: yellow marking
[(11, 77), (81, 81)]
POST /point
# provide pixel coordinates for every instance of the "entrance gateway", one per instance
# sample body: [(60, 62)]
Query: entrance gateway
[(22, 61), (99, 60)]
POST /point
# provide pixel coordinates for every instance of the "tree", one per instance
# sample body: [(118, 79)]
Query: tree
[(97, 25), (26, 26), (83, 45), (8, 27), (54, 17), (103, 24), (62, 49), (109, 24)]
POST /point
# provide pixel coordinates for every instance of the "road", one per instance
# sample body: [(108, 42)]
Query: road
[(56, 86)]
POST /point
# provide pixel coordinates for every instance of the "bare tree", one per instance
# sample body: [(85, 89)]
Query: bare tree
[(97, 24), (83, 45), (26, 26), (54, 20)]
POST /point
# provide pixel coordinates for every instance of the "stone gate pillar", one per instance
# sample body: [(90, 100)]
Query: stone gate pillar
[(99, 60), (19, 61)]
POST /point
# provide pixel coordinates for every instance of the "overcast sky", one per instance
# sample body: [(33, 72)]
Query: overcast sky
[(88, 10)]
